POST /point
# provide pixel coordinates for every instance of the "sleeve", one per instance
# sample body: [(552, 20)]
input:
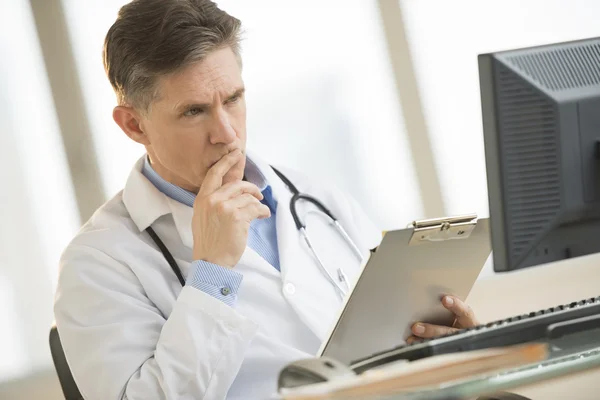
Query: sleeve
[(215, 280), (119, 345)]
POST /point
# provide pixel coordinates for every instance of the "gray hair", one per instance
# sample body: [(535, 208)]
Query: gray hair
[(153, 38)]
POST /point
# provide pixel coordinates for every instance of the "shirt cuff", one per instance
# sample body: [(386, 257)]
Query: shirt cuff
[(217, 281)]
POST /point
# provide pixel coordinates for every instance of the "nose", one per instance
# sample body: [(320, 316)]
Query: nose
[(221, 131)]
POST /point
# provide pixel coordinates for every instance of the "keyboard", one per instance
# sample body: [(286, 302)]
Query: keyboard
[(537, 325)]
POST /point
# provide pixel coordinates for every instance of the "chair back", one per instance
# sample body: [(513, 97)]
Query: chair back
[(63, 371)]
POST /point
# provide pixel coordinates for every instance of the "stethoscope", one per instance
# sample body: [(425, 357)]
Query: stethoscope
[(338, 282)]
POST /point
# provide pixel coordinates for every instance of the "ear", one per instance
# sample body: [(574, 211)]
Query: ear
[(129, 120)]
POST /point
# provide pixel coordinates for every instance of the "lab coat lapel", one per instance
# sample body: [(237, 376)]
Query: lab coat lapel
[(182, 215), (307, 290), (290, 253)]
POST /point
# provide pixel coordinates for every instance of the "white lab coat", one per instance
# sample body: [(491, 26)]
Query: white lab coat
[(130, 331)]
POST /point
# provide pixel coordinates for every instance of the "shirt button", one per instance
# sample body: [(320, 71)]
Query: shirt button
[(225, 291), (290, 288)]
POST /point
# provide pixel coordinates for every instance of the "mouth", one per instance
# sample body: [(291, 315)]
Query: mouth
[(218, 159)]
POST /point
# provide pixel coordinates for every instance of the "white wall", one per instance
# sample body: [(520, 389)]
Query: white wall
[(320, 96), (37, 210)]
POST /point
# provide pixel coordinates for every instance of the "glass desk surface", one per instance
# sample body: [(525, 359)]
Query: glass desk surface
[(575, 353)]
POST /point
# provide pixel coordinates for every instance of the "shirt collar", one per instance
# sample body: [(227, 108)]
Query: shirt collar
[(252, 174)]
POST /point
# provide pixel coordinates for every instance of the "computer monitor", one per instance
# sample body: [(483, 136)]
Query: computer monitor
[(541, 123)]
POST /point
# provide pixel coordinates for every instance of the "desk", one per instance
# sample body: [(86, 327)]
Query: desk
[(554, 372), (508, 294), (580, 386), (513, 293)]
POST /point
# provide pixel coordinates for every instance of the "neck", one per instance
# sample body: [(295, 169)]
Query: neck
[(171, 177)]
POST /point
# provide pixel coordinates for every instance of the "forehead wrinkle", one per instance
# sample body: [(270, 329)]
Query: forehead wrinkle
[(208, 81), (215, 81), (203, 87)]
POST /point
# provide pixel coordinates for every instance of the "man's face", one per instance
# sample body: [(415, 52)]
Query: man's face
[(199, 116)]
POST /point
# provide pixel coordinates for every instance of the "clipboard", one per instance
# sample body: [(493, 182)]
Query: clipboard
[(403, 281)]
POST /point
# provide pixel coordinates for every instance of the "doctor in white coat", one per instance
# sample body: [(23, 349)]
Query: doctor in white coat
[(250, 297)]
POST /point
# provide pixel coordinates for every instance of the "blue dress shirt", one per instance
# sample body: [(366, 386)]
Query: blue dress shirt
[(221, 282)]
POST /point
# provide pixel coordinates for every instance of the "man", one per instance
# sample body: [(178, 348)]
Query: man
[(193, 282)]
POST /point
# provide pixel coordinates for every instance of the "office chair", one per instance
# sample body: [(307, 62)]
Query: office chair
[(69, 387)]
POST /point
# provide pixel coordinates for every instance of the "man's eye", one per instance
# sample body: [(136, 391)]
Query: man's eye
[(193, 111), (234, 99)]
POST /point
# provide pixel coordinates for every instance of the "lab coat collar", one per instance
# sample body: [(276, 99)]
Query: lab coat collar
[(142, 199), (290, 253), (295, 257)]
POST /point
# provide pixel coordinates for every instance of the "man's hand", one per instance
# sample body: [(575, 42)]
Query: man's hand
[(222, 214), (465, 318)]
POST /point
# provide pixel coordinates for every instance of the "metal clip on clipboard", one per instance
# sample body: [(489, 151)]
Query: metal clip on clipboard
[(440, 229)]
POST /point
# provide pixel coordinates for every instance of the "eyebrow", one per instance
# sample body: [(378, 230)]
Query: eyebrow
[(180, 108)]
